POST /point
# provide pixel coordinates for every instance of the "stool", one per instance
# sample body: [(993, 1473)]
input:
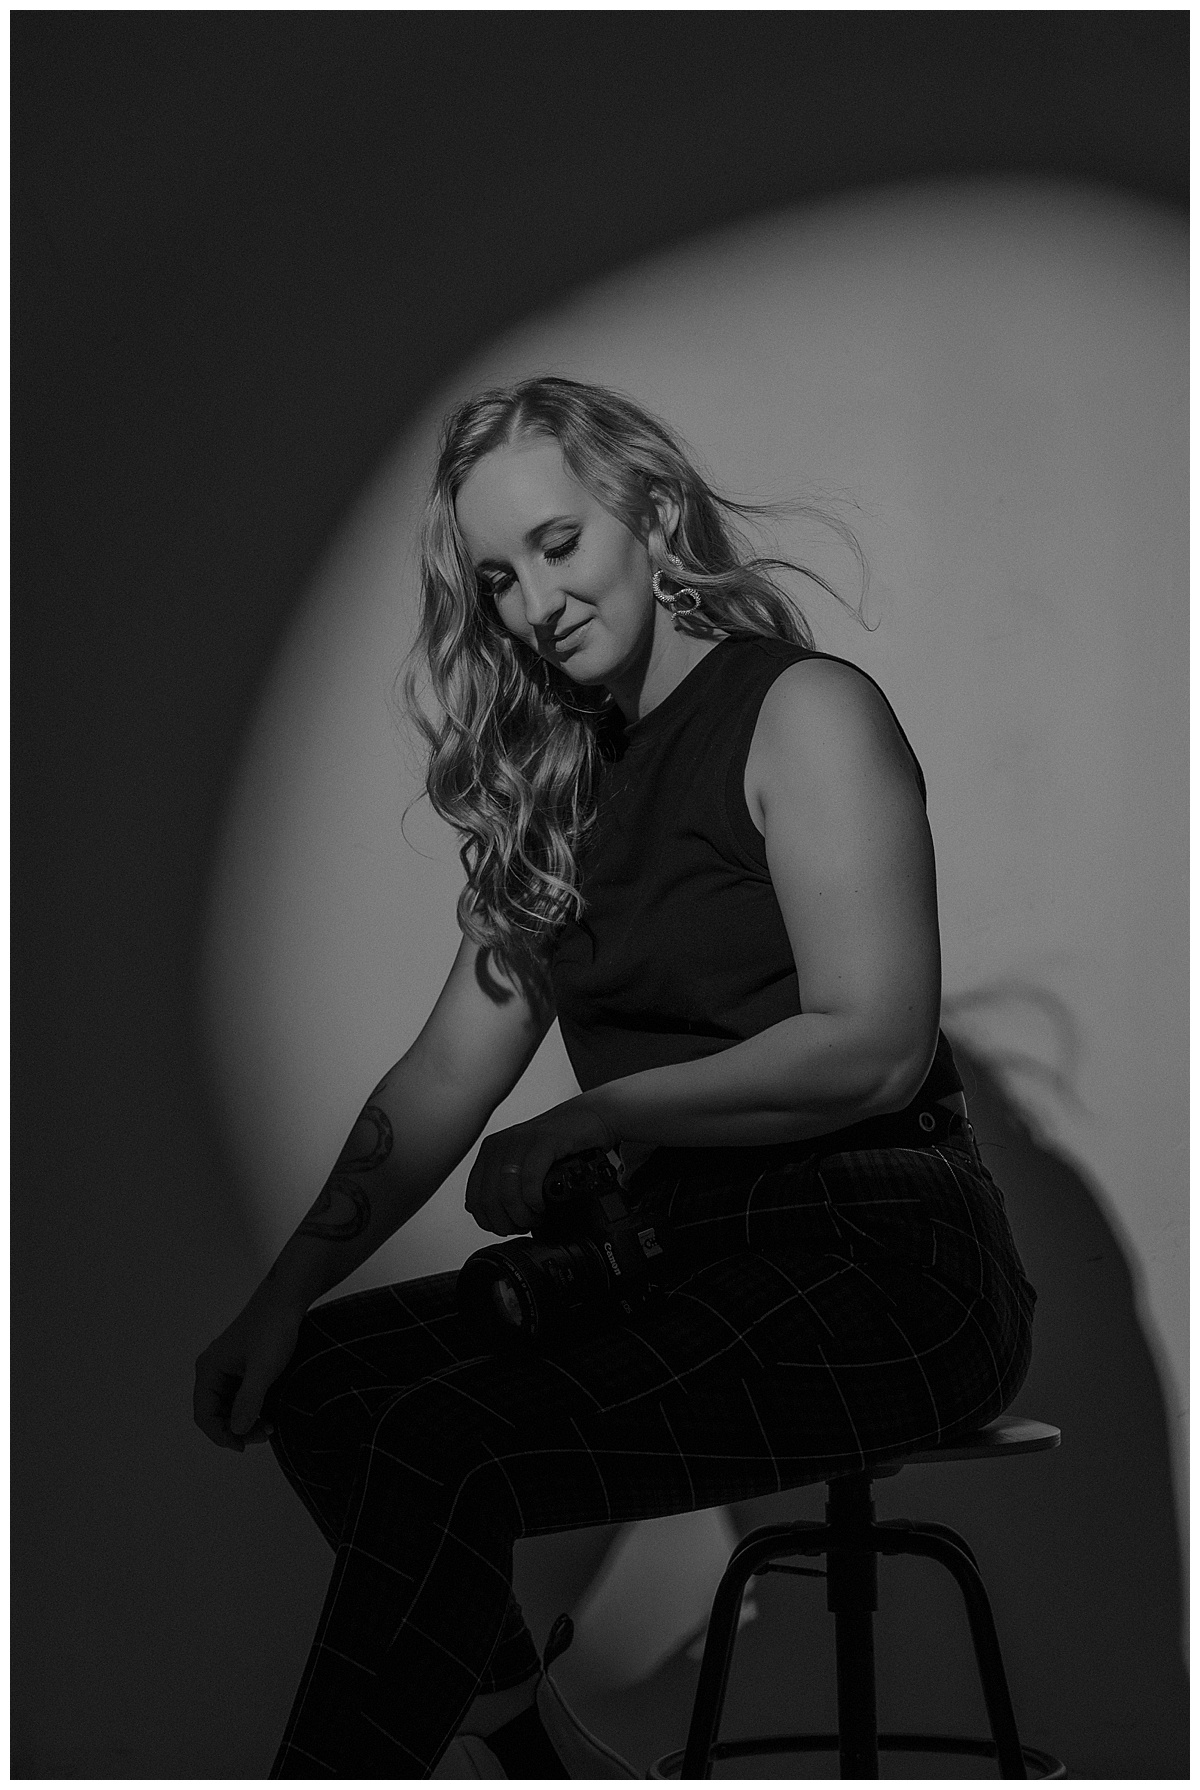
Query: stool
[(851, 1539)]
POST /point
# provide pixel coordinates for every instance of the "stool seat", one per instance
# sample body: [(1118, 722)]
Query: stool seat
[(851, 1540), (1007, 1435)]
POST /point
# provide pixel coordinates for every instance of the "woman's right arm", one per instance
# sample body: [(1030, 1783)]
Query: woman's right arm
[(414, 1130)]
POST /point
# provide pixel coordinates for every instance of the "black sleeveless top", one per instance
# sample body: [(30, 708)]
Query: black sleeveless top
[(682, 950)]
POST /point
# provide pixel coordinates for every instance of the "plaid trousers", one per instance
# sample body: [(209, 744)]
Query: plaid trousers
[(821, 1312)]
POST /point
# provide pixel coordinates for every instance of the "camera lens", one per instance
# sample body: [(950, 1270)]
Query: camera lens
[(507, 1303)]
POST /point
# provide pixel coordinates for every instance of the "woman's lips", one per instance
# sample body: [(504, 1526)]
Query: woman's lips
[(572, 635)]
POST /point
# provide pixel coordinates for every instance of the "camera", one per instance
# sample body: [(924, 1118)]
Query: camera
[(590, 1260)]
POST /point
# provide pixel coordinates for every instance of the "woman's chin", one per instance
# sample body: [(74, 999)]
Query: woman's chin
[(586, 663)]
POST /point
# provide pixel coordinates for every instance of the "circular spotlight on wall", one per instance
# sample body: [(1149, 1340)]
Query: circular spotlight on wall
[(988, 382)]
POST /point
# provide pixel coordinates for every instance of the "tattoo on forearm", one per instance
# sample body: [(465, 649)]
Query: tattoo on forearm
[(369, 1144), (342, 1209)]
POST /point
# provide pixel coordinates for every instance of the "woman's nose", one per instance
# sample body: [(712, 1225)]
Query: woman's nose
[(543, 602)]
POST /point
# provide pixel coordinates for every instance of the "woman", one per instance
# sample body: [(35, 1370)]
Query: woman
[(703, 846)]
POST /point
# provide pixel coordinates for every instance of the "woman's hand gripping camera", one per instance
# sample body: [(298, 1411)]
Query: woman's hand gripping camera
[(504, 1188)]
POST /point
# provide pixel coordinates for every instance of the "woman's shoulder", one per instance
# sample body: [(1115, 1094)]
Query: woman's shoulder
[(817, 689), (822, 708)]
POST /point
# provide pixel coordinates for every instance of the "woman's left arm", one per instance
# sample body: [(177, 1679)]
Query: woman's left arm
[(851, 861)]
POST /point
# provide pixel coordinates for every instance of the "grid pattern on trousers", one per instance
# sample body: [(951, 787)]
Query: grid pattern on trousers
[(803, 1331)]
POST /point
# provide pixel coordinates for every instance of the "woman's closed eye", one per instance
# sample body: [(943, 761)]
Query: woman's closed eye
[(563, 550), (499, 582)]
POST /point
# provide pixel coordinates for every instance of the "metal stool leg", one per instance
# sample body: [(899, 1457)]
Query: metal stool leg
[(936, 1542), (722, 1633), (746, 1559), (942, 1529)]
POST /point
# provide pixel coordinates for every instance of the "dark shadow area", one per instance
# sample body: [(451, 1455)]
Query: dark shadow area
[(1079, 1548)]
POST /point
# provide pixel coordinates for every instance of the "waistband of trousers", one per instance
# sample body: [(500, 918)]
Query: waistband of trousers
[(915, 1128)]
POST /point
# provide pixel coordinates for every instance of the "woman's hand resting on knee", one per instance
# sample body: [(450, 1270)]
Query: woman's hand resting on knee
[(235, 1372)]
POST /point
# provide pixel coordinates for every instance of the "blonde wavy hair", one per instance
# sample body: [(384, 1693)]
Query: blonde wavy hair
[(515, 748)]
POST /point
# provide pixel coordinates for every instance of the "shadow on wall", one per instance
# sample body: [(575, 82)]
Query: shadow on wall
[(1079, 1548)]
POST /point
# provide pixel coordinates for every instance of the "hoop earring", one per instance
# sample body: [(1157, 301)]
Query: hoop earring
[(674, 601)]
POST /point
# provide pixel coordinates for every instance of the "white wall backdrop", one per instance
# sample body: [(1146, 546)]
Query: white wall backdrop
[(989, 381)]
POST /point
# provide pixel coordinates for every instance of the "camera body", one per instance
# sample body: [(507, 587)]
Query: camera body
[(590, 1260)]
